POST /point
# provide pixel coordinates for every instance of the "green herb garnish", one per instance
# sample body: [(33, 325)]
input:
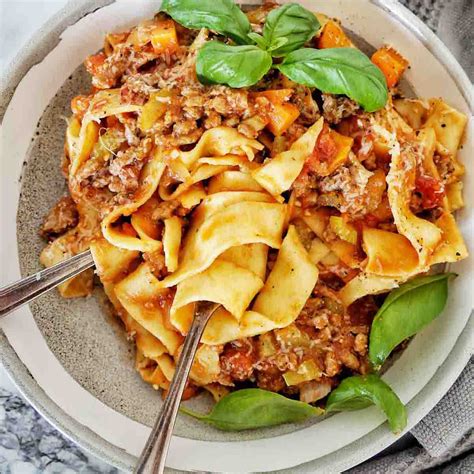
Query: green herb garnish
[(287, 28), (405, 311), (338, 71), (362, 391), (252, 408), (236, 66), (221, 16)]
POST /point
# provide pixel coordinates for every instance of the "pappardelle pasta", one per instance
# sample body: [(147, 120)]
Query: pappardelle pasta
[(295, 202)]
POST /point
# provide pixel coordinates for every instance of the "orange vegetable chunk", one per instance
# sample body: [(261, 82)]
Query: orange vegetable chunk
[(333, 36), (282, 114), (164, 37), (391, 63), (281, 118)]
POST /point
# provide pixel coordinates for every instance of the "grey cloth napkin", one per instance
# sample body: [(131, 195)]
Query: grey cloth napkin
[(452, 21), (452, 418), (446, 437)]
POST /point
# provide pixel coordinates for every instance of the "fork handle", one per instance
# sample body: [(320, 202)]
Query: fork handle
[(153, 457), (27, 289)]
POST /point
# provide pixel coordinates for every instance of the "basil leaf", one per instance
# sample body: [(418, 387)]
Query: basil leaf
[(222, 16), (362, 391), (258, 39), (252, 408), (338, 71), (236, 66), (405, 311), (290, 21)]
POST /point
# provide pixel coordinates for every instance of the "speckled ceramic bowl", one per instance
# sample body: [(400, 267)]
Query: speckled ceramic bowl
[(70, 359)]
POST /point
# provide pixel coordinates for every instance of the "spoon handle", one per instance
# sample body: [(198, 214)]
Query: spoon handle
[(153, 457), (27, 289)]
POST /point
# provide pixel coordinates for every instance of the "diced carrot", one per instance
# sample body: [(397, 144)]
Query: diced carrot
[(164, 37), (344, 145), (333, 36), (331, 151), (281, 118), (282, 114), (391, 63)]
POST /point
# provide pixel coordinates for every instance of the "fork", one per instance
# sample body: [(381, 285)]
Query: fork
[(153, 457)]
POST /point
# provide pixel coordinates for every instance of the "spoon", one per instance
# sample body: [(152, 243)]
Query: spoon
[(153, 457)]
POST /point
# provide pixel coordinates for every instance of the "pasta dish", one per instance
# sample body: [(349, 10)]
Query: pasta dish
[(271, 168)]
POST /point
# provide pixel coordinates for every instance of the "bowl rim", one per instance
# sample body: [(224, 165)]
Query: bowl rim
[(33, 52)]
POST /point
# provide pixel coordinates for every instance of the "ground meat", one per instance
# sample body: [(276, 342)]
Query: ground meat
[(62, 217), (336, 108), (305, 189), (156, 260), (347, 192), (360, 344), (122, 174), (186, 132), (165, 209), (303, 99), (135, 91), (238, 359), (271, 379), (331, 364), (125, 61), (314, 314)]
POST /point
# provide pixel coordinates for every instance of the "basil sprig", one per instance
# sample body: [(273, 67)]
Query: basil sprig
[(237, 66), (287, 28), (291, 22), (405, 311), (222, 16), (338, 71), (362, 391), (252, 408)]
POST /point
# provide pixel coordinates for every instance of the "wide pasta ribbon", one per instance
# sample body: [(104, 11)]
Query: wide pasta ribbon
[(279, 173), (143, 298), (226, 220), (423, 235), (104, 104), (223, 282), (220, 141), (116, 235), (277, 305), (112, 265)]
